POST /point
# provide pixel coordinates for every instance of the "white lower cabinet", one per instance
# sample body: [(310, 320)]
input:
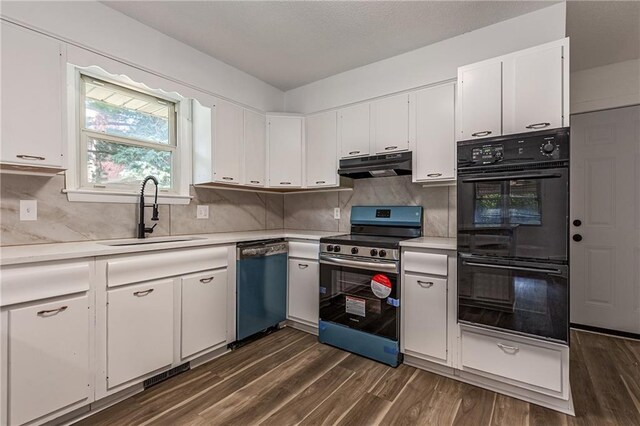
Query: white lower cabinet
[(304, 291), (139, 330), (425, 305), (48, 358), (204, 311)]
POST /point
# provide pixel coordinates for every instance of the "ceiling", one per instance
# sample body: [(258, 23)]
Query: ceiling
[(291, 43)]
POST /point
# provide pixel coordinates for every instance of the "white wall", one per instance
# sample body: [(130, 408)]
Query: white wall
[(95, 26), (430, 64), (609, 86)]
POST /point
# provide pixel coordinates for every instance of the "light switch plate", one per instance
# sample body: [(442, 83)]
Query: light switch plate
[(202, 212), (28, 209), (336, 213)]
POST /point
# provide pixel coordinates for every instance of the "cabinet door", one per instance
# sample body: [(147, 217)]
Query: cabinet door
[(533, 90), (31, 98), (204, 311), (255, 148), (435, 134), (321, 140), (480, 99), (304, 290), (425, 318), (48, 358), (139, 330), (354, 130), (391, 124), (285, 151), (228, 151)]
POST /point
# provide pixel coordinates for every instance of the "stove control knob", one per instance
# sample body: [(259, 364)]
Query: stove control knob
[(548, 148), (354, 250), (383, 253), (329, 247), (336, 249), (374, 252)]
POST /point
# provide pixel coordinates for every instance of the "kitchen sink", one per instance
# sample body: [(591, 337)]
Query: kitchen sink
[(138, 242)]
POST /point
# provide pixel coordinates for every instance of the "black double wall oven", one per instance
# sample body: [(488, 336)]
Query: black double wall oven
[(513, 213)]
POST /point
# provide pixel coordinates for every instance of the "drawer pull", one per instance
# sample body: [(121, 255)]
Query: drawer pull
[(483, 133), (206, 280), (389, 148), (30, 157), (303, 265), (143, 293), (354, 152), (51, 312), (434, 175), (227, 178), (319, 182), (425, 284), (538, 125), (285, 183), (255, 181), (508, 349)]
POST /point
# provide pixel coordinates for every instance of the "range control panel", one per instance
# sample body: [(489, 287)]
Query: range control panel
[(360, 251)]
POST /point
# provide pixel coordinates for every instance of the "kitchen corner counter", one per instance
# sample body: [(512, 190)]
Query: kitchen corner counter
[(434, 243), (14, 255)]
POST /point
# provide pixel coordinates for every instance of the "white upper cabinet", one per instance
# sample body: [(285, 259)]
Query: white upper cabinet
[(32, 82), (228, 151), (391, 124), (254, 148), (533, 92), (480, 100), (354, 130), (284, 138), (434, 151), (321, 152)]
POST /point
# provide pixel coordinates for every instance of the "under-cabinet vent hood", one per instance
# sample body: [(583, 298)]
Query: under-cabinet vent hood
[(397, 164)]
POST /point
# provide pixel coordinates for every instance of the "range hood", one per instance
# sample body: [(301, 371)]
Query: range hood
[(397, 164)]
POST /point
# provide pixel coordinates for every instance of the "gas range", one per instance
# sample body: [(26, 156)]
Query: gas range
[(362, 246)]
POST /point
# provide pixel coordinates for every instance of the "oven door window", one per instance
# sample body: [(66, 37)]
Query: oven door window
[(526, 298), (346, 298)]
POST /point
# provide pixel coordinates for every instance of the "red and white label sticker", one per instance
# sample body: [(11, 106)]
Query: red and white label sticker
[(381, 285)]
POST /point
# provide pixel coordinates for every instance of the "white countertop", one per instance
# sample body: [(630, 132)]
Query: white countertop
[(437, 243)]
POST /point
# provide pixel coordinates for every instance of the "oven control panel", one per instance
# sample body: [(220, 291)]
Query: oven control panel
[(360, 251), (487, 154)]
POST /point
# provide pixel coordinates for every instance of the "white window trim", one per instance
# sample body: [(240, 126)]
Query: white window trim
[(182, 162)]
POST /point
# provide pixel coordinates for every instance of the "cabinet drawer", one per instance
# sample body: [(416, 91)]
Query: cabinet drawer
[(526, 363), (139, 330), (304, 250), (42, 280), (138, 268), (48, 358), (425, 263)]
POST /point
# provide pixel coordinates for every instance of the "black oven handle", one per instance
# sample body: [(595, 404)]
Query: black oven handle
[(513, 268), (359, 264), (513, 177)]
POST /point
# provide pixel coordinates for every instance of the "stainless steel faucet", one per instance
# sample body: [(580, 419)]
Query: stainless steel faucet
[(142, 230)]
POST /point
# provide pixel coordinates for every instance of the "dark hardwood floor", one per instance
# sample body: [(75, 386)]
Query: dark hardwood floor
[(289, 378)]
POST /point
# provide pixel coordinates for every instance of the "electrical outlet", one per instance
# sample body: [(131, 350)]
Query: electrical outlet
[(336, 213), (202, 212), (28, 209)]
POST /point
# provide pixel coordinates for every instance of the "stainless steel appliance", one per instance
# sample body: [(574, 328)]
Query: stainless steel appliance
[(396, 164), (513, 224), (360, 281), (261, 299)]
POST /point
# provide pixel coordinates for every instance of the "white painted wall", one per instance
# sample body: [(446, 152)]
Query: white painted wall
[(609, 86), (92, 25), (430, 64)]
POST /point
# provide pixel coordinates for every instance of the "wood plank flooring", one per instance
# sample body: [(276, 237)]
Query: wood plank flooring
[(288, 378)]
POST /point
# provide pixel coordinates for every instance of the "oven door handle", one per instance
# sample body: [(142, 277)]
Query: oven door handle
[(513, 177), (358, 264), (513, 268)]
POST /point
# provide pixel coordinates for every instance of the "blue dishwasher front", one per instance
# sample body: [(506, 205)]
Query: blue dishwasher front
[(261, 286)]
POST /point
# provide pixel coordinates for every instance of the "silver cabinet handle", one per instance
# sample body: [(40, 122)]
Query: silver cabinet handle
[(303, 265), (434, 175), (255, 181), (388, 148), (482, 133), (538, 125), (206, 280), (227, 178), (285, 183), (318, 182), (142, 293), (354, 152), (507, 348), (51, 312), (30, 157), (425, 284)]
